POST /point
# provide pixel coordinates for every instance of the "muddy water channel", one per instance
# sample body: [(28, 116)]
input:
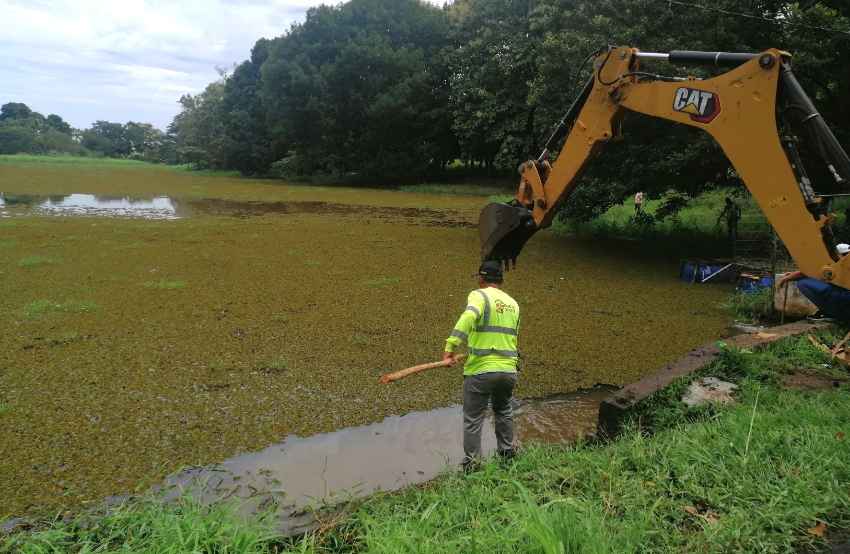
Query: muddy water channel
[(238, 313), (300, 475)]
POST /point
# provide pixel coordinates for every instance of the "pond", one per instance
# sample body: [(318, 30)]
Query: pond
[(236, 313)]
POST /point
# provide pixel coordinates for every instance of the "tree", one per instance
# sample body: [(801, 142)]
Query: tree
[(493, 66), (58, 124), (248, 146), (15, 111), (16, 140), (358, 88), (199, 128), (107, 138)]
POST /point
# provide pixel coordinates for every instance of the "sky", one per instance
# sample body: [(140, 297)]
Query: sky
[(128, 60)]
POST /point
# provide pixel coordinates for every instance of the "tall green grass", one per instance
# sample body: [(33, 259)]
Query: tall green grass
[(72, 160), (153, 527), (753, 307), (460, 189)]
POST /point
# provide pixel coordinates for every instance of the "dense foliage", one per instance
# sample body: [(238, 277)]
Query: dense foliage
[(24, 131), (388, 89)]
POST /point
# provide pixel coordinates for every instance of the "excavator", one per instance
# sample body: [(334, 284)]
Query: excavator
[(752, 110)]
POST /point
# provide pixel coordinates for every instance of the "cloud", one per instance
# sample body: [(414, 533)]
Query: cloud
[(129, 60)]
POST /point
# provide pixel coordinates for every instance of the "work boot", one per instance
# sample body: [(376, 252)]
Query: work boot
[(470, 465), (507, 456)]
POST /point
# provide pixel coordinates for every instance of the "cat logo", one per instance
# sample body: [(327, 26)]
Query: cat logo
[(703, 106)]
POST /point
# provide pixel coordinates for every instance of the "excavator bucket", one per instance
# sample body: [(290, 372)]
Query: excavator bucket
[(504, 229)]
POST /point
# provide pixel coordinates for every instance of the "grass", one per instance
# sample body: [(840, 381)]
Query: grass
[(35, 261), (700, 214), (17, 159), (165, 284), (462, 189), (44, 306), (149, 525), (755, 307), (691, 231), (756, 476)]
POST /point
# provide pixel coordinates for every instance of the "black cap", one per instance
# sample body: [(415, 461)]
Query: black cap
[(491, 271)]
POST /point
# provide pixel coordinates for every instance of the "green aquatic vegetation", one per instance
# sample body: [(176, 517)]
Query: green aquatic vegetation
[(171, 378), (275, 365), (165, 284), (5, 408), (35, 261), (8, 243), (360, 339), (44, 306), (382, 281)]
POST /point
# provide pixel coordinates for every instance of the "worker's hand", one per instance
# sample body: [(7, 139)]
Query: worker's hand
[(793, 276), (450, 358)]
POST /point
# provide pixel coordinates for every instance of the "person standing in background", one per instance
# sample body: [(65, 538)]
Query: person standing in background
[(638, 203)]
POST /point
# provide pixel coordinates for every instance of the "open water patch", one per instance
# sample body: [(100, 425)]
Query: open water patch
[(301, 475), (88, 205)]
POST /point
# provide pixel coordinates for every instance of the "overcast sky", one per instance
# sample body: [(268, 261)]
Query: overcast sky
[(125, 60)]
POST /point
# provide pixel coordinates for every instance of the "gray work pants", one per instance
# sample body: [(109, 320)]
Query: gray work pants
[(478, 390)]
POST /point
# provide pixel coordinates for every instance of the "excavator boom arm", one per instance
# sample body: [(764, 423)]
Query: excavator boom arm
[(738, 108)]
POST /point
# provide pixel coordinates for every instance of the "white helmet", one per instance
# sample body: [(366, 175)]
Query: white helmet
[(843, 248)]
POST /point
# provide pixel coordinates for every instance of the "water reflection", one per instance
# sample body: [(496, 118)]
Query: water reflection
[(160, 207), (300, 474), (164, 207)]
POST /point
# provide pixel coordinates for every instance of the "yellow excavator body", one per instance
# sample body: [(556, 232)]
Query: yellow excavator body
[(738, 108)]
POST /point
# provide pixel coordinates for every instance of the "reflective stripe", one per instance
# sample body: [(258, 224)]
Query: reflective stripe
[(486, 320), (497, 329), (474, 310), (459, 334), (493, 351)]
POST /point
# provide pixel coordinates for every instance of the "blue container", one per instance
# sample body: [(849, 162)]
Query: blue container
[(751, 284), (707, 272)]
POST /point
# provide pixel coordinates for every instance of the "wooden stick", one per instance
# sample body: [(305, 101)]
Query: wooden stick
[(840, 345), (402, 373)]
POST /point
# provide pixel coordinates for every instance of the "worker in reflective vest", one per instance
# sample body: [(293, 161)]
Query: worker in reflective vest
[(489, 326)]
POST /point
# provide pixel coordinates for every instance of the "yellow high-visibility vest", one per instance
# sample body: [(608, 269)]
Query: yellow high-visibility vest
[(489, 326)]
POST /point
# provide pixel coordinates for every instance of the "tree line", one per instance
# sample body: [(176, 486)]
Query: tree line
[(24, 131), (400, 89)]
